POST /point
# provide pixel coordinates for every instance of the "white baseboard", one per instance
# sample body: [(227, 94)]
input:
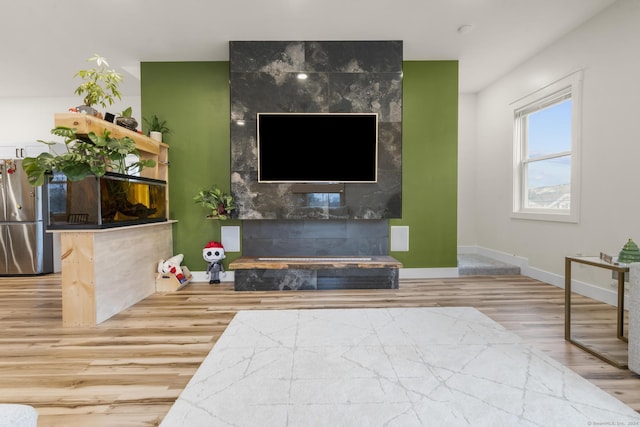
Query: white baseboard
[(589, 290), (497, 255), (428, 273), (201, 276)]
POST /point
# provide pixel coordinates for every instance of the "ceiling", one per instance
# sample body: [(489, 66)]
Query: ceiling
[(45, 42)]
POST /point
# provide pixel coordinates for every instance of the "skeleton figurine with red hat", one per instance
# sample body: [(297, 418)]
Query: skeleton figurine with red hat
[(213, 253)]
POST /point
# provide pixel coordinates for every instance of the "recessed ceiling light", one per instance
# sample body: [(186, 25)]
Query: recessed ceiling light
[(465, 29), (302, 76)]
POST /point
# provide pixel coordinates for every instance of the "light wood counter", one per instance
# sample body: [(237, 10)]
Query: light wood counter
[(108, 270)]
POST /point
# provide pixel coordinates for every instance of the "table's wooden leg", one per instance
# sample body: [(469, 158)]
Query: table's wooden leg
[(567, 299), (621, 277)]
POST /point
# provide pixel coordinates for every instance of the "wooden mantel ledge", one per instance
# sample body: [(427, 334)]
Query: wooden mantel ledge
[(282, 263)]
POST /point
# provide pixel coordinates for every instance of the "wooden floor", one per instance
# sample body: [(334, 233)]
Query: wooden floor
[(129, 370)]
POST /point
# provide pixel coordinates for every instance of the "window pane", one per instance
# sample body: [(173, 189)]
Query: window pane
[(549, 130), (547, 152), (549, 183), (323, 200)]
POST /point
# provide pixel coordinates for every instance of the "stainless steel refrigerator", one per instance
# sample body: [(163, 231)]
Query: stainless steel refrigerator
[(25, 247)]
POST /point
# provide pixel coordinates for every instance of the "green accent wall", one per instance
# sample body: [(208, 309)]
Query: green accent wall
[(194, 99), (429, 164)]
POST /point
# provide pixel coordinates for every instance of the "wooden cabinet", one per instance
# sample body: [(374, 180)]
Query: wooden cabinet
[(101, 276), (21, 151)]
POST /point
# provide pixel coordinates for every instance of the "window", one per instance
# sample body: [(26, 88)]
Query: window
[(324, 200), (546, 152)]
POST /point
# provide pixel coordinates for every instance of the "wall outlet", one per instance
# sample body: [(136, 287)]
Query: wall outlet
[(230, 236), (400, 238)]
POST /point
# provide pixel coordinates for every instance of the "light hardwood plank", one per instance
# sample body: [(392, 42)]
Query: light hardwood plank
[(128, 370)]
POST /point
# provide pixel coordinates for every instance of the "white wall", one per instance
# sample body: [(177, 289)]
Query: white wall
[(467, 170), (606, 48), (26, 120)]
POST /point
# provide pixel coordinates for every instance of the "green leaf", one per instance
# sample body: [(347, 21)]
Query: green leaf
[(94, 154), (35, 172), (76, 171), (64, 132)]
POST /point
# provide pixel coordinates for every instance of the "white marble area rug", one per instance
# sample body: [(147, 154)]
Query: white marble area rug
[(385, 367)]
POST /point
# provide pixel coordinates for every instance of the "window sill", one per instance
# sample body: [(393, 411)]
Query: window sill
[(546, 216)]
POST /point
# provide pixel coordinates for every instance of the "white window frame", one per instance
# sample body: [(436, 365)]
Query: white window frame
[(565, 88)]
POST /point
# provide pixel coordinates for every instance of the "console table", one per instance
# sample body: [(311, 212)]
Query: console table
[(622, 272), (315, 273)]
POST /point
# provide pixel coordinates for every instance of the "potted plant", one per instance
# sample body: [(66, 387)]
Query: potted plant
[(125, 120), (218, 202), (95, 155), (156, 127), (99, 85)]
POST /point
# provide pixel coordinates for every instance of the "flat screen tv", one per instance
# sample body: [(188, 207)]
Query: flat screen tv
[(317, 147)]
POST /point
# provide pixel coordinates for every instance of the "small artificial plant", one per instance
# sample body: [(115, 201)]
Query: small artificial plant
[(100, 84), (218, 202), (93, 155), (156, 125), (126, 112), (126, 120)]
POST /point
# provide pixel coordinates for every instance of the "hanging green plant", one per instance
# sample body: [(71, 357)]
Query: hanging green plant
[(218, 202), (84, 156)]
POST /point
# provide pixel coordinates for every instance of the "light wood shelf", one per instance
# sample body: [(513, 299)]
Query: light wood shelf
[(148, 148)]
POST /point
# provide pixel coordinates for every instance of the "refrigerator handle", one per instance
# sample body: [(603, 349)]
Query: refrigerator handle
[(17, 152)]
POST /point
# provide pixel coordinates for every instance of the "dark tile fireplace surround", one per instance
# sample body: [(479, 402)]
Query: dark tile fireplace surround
[(343, 76)]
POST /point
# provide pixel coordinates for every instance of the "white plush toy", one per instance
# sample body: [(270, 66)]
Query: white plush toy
[(172, 265)]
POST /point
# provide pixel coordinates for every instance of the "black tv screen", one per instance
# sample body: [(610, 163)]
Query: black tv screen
[(317, 147)]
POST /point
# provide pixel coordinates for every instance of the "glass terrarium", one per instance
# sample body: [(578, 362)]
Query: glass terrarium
[(112, 200)]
